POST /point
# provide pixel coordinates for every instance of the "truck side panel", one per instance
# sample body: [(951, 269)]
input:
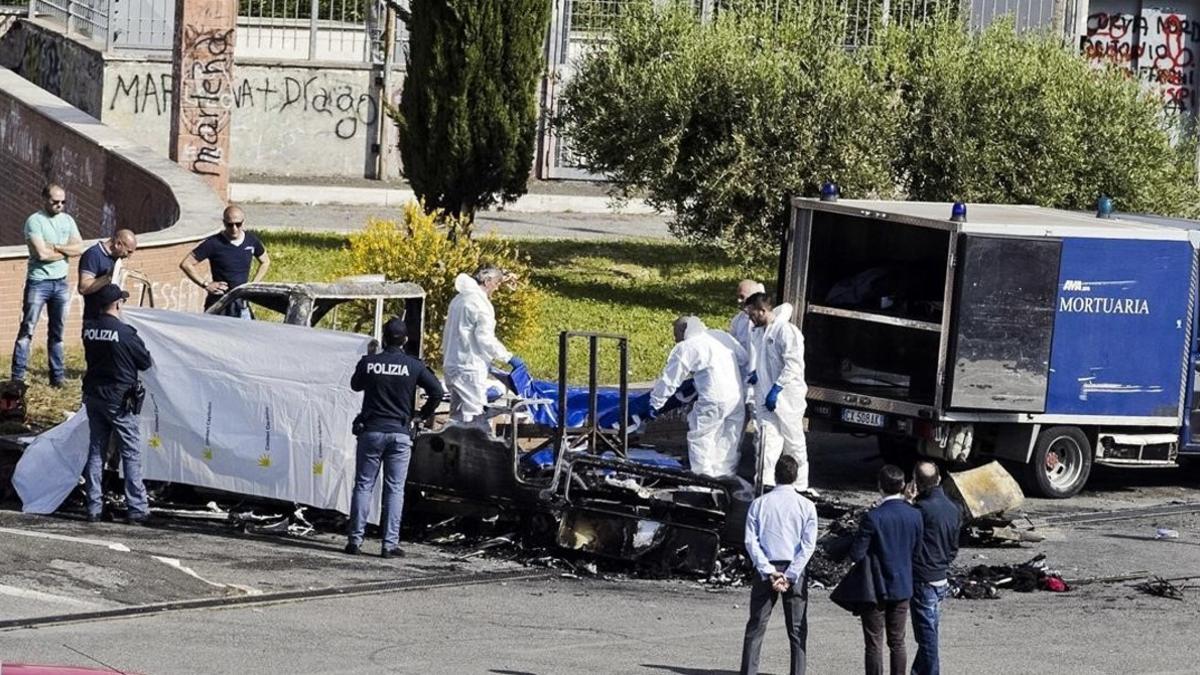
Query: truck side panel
[(1122, 319)]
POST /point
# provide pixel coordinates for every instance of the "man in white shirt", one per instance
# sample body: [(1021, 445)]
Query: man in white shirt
[(781, 535)]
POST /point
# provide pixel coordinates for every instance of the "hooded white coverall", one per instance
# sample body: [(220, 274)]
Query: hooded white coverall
[(779, 352), (741, 328), (719, 366), (469, 345)]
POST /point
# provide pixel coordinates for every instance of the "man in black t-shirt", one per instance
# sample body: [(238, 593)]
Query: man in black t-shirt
[(229, 254), (98, 267)]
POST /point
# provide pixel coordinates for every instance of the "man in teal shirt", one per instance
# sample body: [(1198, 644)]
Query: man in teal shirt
[(52, 237)]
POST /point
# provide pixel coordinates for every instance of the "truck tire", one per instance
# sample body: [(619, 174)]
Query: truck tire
[(898, 450), (1061, 463)]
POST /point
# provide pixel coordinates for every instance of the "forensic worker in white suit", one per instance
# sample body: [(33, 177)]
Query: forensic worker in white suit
[(740, 327), (779, 387), (469, 345), (718, 365)]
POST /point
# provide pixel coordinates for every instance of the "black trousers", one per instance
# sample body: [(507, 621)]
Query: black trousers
[(888, 618), (795, 617)]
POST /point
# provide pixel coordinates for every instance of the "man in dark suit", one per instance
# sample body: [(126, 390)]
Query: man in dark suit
[(889, 534)]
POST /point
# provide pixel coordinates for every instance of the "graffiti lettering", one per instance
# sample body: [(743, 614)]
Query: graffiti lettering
[(207, 93), (1156, 46), (350, 109)]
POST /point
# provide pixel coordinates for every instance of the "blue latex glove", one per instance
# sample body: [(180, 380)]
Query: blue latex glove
[(516, 362), (651, 414), (773, 397), (753, 379)]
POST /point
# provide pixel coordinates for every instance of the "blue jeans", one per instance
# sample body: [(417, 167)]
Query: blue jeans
[(104, 420), (926, 610), (54, 295), (392, 450)]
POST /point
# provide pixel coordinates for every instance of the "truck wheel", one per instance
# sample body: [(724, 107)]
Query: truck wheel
[(1061, 463), (898, 450)]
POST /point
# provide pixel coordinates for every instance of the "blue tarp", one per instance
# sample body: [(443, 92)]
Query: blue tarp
[(544, 459), (608, 400)]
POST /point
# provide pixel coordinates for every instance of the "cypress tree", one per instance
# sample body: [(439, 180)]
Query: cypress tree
[(468, 110)]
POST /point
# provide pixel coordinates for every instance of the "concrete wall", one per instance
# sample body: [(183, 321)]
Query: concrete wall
[(110, 181), (1158, 44), (71, 69), (293, 120)]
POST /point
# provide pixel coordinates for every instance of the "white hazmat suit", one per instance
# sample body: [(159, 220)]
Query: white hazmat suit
[(718, 365), (469, 345), (779, 352)]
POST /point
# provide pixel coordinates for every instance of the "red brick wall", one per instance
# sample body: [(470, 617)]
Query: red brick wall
[(104, 190)]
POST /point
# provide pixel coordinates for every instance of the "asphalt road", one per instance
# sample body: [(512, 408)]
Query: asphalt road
[(331, 218), (474, 622)]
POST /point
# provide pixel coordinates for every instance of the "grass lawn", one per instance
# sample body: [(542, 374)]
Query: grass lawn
[(629, 287)]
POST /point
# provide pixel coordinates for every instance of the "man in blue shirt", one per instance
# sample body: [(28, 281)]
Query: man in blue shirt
[(229, 254), (98, 267), (389, 382), (781, 535), (889, 534), (115, 354), (939, 545), (52, 238)]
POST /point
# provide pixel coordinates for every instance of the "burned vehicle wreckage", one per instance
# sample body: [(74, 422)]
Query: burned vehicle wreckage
[(593, 480), (584, 479)]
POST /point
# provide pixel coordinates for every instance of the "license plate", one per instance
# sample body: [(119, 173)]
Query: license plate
[(866, 419)]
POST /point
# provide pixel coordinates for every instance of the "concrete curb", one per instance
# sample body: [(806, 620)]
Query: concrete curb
[(259, 193)]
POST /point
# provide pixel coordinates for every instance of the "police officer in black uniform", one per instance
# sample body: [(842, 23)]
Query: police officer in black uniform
[(112, 395), (389, 381)]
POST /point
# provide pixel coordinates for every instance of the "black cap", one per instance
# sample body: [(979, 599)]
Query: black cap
[(395, 331), (109, 294)]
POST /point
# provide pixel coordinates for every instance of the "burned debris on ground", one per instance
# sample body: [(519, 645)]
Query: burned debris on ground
[(983, 582)]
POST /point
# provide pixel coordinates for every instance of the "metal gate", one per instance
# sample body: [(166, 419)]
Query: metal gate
[(575, 27)]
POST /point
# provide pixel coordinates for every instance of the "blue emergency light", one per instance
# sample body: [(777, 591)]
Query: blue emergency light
[(1104, 206), (829, 191), (958, 213)]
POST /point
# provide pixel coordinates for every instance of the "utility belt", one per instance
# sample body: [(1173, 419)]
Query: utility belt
[(359, 424), (134, 397)]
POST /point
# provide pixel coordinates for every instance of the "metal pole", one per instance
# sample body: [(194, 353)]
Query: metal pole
[(623, 348), (385, 91), (562, 392), (70, 16), (593, 381), (314, 13), (32, 9)]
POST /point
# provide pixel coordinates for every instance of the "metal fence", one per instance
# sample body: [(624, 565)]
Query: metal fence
[(313, 30), (87, 18)]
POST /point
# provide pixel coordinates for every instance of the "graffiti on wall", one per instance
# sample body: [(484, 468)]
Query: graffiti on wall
[(207, 64), (349, 110), (62, 68), (1158, 46)]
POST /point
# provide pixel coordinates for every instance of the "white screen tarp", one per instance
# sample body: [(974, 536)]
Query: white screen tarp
[(250, 407)]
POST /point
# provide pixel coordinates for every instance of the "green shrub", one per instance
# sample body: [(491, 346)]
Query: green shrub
[(1021, 118), (468, 109), (420, 250), (721, 122)]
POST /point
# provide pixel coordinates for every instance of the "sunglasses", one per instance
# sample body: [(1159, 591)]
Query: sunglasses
[(58, 201), (234, 223)]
